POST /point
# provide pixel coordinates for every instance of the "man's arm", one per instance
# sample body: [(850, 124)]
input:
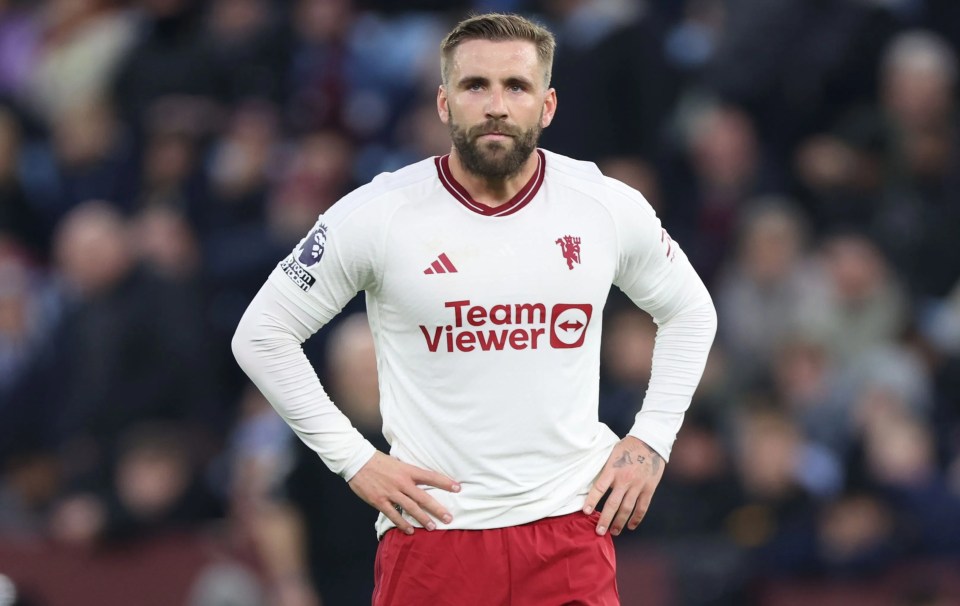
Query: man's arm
[(267, 345), (636, 464), (658, 278)]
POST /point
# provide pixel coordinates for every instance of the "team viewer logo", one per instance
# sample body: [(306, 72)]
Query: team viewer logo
[(508, 326), (570, 247), (568, 325), (314, 245)]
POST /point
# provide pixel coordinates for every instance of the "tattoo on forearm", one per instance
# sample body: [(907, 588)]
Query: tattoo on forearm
[(623, 460)]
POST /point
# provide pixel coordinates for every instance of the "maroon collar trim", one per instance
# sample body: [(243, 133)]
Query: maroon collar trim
[(521, 199)]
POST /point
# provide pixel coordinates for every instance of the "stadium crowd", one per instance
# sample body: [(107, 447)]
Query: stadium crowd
[(159, 157)]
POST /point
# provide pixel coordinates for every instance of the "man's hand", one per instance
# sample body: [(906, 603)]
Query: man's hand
[(391, 486), (631, 473)]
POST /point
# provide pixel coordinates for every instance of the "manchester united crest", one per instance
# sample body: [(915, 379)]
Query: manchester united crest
[(570, 247)]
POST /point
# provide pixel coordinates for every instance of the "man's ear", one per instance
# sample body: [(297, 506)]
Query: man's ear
[(442, 108), (549, 108)]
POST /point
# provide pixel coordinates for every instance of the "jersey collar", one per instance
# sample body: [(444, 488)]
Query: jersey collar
[(521, 199)]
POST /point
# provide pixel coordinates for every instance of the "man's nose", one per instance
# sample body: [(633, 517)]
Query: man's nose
[(496, 108)]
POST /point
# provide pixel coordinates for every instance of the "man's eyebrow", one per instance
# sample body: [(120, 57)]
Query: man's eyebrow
[(471, 80), (518, 80), (483, 80)]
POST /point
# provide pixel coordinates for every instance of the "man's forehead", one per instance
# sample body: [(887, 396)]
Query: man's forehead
[(496, 56)]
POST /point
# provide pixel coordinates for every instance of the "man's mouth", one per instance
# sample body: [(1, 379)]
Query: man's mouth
[(491, 132)]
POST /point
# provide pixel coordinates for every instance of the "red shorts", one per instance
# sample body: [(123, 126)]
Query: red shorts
[(550, 562)]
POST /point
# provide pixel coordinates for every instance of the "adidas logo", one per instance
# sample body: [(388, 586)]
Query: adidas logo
[(442, 265)]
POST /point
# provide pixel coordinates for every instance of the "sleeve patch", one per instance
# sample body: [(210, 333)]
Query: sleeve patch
[(296, 272), (313, 245)]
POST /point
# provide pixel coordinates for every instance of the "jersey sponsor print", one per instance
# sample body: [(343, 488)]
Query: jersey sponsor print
[(297, 273), (508, 326)]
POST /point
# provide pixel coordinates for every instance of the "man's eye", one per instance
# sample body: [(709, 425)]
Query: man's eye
[(475, 87)]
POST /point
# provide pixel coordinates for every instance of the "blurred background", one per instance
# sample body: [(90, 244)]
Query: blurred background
[(158, 157)]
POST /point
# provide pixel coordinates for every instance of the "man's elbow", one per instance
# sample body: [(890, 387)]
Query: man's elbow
[(710, 313), (242, 343)]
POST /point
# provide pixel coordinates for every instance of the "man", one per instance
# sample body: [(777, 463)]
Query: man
[(486, 271)]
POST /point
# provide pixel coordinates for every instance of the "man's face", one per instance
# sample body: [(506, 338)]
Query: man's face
[(495, 104)]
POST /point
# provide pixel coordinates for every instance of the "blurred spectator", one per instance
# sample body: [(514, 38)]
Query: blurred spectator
[(794, 64), (91, 158), (761, 293), (241, 165), (81, 45), (692, 42), (610, 65), (857, 302), (843, 172), (889, 380), (775, 522), (171, 173), (918, 227), (720, 170), (919, 72), (130, 348), (856, 536), (167, 243), (317, 174), (250, 46), (29, 484), (153, 486), (899, 461), (805, 380), (170, 70), (317, 79)]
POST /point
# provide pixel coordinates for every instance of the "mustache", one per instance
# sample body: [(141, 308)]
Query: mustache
[(493, 126)]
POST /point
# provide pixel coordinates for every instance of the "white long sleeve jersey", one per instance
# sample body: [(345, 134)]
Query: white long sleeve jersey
[(487, 327)]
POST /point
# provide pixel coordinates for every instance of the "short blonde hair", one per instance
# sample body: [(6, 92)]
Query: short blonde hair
[(499, 27)]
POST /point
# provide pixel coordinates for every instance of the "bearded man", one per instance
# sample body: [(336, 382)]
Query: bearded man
[(486, 271)]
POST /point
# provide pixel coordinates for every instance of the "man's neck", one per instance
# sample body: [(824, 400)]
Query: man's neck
[(492, 192)]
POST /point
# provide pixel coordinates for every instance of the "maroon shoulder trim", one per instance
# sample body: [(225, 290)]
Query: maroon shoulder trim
[(521, 199)]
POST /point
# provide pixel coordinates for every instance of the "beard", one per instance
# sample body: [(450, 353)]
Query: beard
[(493, 160)]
